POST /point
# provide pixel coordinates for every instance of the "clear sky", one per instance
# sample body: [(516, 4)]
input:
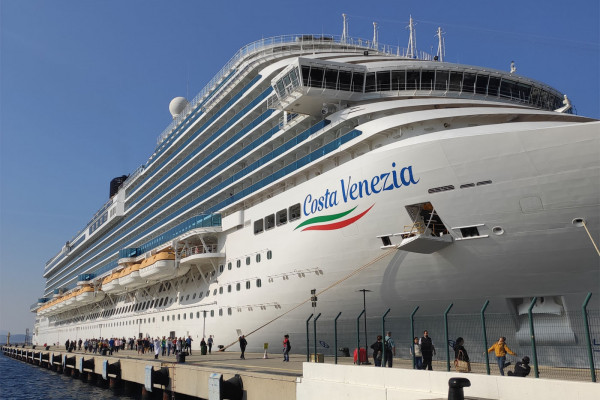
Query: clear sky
[(85, 87)]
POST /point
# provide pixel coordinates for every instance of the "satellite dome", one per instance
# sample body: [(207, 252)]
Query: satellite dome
[(177, 105)]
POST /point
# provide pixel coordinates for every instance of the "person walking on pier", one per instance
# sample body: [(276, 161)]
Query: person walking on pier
[(377, 351), (188, 344), (415, 350), (287, 346), (243, 344), (500, 349), (427, 350), (390, 350), (209, 343)]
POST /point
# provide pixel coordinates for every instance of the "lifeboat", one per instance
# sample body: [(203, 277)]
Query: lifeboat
[(110, 284), (87, 295), (130, 277), (158, 267), (70, 301)]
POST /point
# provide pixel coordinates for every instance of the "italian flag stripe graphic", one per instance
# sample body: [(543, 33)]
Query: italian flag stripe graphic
[(335, 225)]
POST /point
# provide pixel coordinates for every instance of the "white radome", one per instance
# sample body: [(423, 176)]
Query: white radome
[(177, 105)]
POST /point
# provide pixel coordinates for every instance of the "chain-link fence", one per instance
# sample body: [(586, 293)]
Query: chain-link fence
[(561, 346)]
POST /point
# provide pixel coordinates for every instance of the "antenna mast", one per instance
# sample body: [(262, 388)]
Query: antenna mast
[(441, 51), (412, 40), (375, 36), (345, 30)]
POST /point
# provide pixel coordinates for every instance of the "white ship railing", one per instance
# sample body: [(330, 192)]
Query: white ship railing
[(306, 42), (209, 248)]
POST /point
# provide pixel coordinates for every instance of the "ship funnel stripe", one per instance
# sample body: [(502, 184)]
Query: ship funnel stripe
[(337, 225), (325, 218)]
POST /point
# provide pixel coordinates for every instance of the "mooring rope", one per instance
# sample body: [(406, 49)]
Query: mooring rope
[(356, 271), (590, 235)]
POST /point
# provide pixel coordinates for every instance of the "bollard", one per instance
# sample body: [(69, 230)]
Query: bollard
[(455, 388)]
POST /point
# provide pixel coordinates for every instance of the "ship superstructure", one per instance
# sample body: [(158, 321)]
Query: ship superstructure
[(310, 160)]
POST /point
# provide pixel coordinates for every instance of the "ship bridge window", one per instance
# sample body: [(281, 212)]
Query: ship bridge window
[(294, 212), (441, 80), (383, 81), (481, 84), (456, 81), (331, 77), (345, 80), (269, 221), (398, 80), (468, 82), (370, 83), (427, 80), (358, 82), (281, 217), (316, 77), (258, 226), (305, 74), (412, 80)]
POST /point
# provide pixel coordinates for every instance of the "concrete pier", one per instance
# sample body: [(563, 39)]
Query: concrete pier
[(266, 379)]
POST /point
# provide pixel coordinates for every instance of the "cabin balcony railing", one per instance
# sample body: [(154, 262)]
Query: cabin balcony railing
[(210, 248)]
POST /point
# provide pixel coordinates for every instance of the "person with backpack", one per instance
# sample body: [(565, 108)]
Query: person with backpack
[(390, 349), (377, 351), (287, 346), (427, 350)]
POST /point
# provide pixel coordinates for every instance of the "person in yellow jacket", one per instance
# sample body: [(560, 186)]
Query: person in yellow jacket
[(500, 348)]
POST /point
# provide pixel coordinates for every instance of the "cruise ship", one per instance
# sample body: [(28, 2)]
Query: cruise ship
[(314, 166)]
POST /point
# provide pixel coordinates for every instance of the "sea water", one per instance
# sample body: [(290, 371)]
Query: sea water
[(22, 381)]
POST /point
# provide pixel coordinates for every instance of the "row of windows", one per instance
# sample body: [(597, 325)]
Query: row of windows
[(435, 79), (280, 218), (238, 263)]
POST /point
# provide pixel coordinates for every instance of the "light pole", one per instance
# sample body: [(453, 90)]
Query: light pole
[(364, 291)]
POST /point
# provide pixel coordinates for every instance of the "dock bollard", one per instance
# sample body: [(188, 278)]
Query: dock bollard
[(455, 388)]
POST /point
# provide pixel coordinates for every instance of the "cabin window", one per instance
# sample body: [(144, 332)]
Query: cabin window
[(258, 283), (167, 318), (184, 316), (229, 311), (294, 212), (221, 290), (220, 312), (258, 258), (178, 317), (238, 286), (194, 296), (221, 268), (197, 314), (269, 221), (212, 313), (228, 288), (191, 315), (247, 284), (281, 217), (238, 263), (247, 260), (229, 265), (269, 254), (258, 226)]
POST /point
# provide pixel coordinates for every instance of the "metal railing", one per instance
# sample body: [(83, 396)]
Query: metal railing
[(565, 346)]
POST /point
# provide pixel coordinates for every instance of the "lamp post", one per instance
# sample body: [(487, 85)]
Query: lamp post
[(364, 292)]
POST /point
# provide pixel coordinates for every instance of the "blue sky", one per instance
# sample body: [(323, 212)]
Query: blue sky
[(85, 87)]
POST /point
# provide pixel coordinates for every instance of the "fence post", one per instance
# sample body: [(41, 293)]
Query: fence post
[(446, 331), (315, 326), (308, 340), (587, 336), (335, 335), (412, 331), (485, 341), (532, 332), (383, 336), (358, 337)]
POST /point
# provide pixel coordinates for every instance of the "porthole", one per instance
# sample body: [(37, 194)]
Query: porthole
[(258, 258), (497, 230), (258, 283), (238, 263), (229, 265), (247, 284), (269, 255), (247, 260)]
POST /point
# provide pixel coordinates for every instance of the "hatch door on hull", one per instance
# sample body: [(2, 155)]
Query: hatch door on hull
[(426, 235)]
